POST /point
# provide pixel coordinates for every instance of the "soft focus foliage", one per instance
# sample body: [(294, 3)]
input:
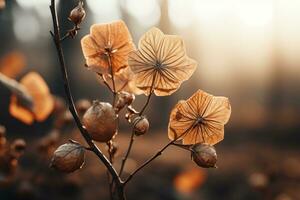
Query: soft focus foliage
[(189, 180), (43, 102), (12, 64), (200, 119), (160, 63)]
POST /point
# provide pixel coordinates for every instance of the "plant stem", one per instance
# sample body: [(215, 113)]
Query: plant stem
[(127, 153), (57, 41), (148, 161), (112, 78)]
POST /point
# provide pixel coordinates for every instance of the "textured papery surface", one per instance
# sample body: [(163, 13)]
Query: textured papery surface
[(160, 63), (103, 38), (200, 119)]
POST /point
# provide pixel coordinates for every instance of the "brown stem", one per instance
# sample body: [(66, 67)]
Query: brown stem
[(112, 78), (148, 161), (57, 41), (127, 154)]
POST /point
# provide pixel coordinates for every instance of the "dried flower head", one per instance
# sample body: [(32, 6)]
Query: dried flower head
[(123, 99), (68, 157), (140, 125), (77, 14), (43, 102), (100, 121), (204, 155), (160, 63), (107, 43), (200, 119)]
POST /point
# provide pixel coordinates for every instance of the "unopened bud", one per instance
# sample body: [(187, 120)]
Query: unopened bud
[(100, 120), (204, 155), (140, 125), (77, 14), (124, 98), (68, 157)]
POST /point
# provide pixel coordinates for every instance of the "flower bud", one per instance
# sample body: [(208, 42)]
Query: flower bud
[(68, 157), (140, 125), (100, 120), (77, 14), (124, 98), (204, 155)]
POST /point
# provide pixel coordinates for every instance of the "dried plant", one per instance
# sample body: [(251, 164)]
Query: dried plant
[(158, 66)]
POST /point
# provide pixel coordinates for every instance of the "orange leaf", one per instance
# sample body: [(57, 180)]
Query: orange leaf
[(12, 64)]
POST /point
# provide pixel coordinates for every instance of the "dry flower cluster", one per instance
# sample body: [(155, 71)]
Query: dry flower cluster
[(158, 66)]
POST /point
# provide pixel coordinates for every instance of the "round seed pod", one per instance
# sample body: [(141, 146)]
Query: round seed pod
[(77, 14), (100, 121), (204, 155), (140, 125), (124, 98), (68, 157)]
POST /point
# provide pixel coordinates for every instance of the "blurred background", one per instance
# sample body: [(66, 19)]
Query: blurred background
[(246, 50)]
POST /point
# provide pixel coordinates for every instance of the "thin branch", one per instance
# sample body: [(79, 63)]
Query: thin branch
[(127, 153), (57, 40), (148, 161)]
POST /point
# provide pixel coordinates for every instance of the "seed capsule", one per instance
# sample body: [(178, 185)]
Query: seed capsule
[(204, 155), (68, 157), (124, 98), (100, 121), (140, 125), (77, 14)]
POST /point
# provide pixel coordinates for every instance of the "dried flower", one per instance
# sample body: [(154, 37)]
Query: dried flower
[(12, 64), (68, 157), (124, 81), (77, 14), (204, 155), (107, 41), (100, 120), (43, 102), (140, 125), (160, 63), (200, 119), (123, 99)]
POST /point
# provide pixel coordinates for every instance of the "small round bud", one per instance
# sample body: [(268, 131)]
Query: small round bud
[(258, 180), (77, 14), (124, 98), (140, 125), (100, 120), (204, 155), (68, 157)]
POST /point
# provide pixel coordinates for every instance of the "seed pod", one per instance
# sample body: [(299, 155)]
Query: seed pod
[(140, 125), (204, 155), (100, 120), (124, 98), (68, 157), (77, 14)]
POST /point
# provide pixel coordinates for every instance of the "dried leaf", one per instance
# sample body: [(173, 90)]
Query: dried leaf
[(160, 63), (12, 64), (68, 157), (200, 119), (111, 39), (43, 102)]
